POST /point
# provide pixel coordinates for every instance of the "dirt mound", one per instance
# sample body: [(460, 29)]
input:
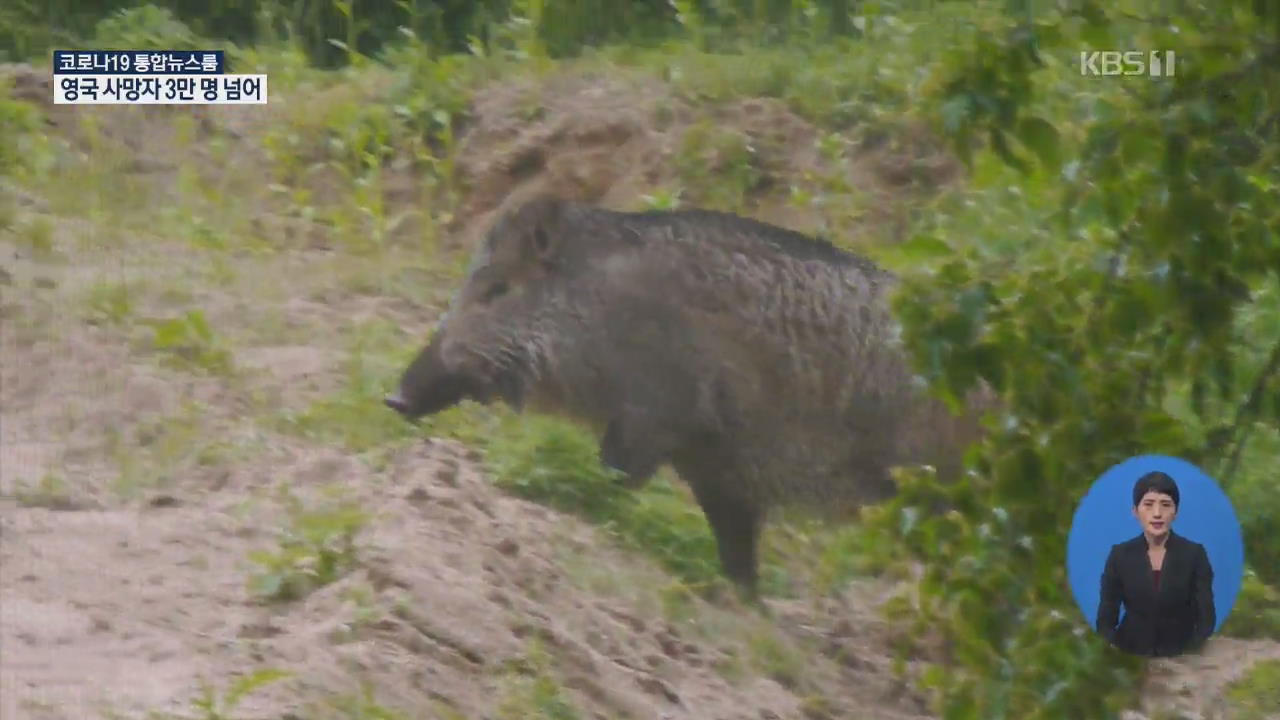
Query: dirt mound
[(612, 140), (580, 137), (455, 586)]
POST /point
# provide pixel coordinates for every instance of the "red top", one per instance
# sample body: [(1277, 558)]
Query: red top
[(1156, 574)]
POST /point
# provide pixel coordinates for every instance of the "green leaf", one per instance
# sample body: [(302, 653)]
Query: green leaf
[(1163, 433), (199, 325), (250, 683), (1042, 137), (1093, 13), (1000, 144), (956, 112), (910, 517), (987, 362), (925, 247), (1096, 37), (1139, 146), (1049, 34)]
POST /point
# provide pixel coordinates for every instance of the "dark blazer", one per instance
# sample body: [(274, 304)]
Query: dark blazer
[(1176, 618)]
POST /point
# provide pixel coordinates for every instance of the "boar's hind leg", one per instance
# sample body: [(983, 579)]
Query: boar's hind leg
[(736, 523)]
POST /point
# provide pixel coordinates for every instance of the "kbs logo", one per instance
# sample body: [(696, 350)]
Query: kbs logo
[(1133, 62)]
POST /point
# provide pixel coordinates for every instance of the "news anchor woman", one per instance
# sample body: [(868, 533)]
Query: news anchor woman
[(1164, 581)]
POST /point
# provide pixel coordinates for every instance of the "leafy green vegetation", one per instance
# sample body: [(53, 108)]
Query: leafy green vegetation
[(353, 417), (188, 341), (1256, 695), (556, 463), (719, 167), (50, 491), (109, 303), (532, 691), (20, 140), (1155, 242), (335, 32), (552, 462), (156, 450), (1257, 610), (775, 656), (359, 706), (37, 239), (211, 706), (147, 27), (317, 548)]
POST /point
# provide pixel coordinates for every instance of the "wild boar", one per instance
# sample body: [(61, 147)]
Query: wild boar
[(762, 364)]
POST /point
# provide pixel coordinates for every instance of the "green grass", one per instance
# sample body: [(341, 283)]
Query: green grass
[(147, 27), (50, 491), (154, 452), (109, 303), (189, 342), (354, 417), (8, 212), (36, 238), (285, 63), (362, 705), (1256, 695), (817, 707), (211, 705), (532, 692), (315, 549), (776, 656), (557, 464), (25, 151), (1257, 611), (719, 167), (809, 556), (364, 613)]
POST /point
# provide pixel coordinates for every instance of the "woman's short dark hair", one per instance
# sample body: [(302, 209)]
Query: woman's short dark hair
[(1155, 481)]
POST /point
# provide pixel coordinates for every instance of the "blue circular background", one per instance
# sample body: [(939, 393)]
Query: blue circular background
[(1105, 518)]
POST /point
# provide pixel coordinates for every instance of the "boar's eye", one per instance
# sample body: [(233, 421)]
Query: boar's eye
[(541, 242), (496, 291)]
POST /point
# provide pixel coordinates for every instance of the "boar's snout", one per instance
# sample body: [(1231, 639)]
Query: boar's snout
[(428, 386), (433, 396)]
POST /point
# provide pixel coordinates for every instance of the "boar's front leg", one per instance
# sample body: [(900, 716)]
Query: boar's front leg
[(633, 444), (654, 416), (736, 523)]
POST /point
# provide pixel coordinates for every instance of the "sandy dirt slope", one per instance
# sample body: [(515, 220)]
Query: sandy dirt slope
[(128, 607), (133, 492)]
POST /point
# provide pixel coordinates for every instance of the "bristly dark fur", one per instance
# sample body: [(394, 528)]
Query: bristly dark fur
[(789, 242)]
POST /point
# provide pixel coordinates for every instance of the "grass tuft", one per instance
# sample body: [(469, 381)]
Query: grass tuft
[(317, 548), (1256, 695)]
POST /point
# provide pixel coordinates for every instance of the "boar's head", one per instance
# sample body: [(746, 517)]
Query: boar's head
[(491, 343)]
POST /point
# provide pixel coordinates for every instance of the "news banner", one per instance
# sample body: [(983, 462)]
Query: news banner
[(137, 77)]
